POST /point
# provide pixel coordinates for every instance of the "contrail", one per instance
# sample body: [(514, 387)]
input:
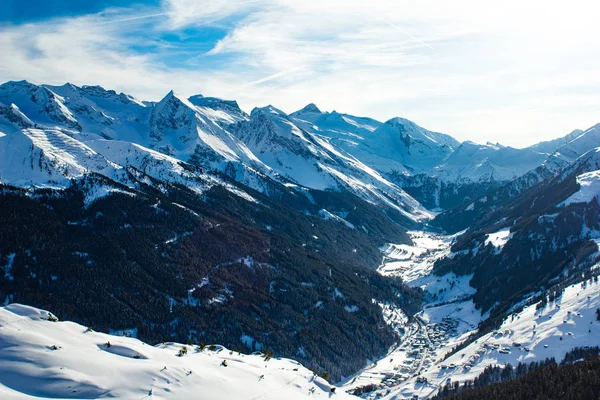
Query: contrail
[(406, 33), (269, 78), (114, 21), (138, 17)]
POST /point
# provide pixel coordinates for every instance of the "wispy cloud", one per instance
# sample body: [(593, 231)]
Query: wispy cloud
[(512, 71)]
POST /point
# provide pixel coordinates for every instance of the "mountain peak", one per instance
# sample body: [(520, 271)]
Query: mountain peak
[(175, 97), (70, 85), (214, 103), (15, 116), (17, 86), (17, 83), (310, 108), (268, 110), (400, 121)]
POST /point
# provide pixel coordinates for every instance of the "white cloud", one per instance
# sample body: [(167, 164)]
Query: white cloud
[(198, 12), (515, 72)]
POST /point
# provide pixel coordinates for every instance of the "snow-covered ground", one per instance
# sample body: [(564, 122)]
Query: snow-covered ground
[(416, 261), (416, 365), (530, 335), (44, 359), (448, 317), (589, 188)]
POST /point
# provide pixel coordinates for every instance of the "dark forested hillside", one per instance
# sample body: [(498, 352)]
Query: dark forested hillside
[(435, 193), (579, 381), (546, 241), (219, 269)]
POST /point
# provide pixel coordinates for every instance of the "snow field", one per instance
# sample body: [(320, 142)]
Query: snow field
[(44, 359)]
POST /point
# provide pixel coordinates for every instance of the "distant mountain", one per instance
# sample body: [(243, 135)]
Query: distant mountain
[(551, 146), (397, 145), (474, 208), (432, 167), (397, 164), (472, 162), (469, 172)]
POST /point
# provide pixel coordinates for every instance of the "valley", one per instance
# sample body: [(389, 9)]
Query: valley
[(394, 261), (285, 200), (447, 318)]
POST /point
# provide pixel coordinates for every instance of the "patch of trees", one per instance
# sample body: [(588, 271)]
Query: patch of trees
[(579, 381), (496, 376)]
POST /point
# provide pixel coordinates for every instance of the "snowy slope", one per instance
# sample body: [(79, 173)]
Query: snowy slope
[(396, 145), (225, 112), (589, 188), (413, 262), (309, 160), (207, 132), (474, 162), (30, 155), (530, 335), (44, 359)]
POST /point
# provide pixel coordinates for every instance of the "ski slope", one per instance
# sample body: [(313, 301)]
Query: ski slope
[(42, 359)]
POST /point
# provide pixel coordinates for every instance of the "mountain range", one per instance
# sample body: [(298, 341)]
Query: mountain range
[(190, 220)]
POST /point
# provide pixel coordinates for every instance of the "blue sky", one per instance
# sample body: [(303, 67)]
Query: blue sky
[(515, 72), (18, 11)]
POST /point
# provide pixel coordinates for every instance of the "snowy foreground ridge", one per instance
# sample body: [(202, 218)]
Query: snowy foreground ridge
[(40, 358)]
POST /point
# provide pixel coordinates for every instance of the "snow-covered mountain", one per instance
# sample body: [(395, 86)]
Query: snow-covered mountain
[(397, 145), (65, 122), (396, 164), (43, 358), (309, 160), (432, 167), (193, 219), (578, 140), (472, 162), (561, 156)]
